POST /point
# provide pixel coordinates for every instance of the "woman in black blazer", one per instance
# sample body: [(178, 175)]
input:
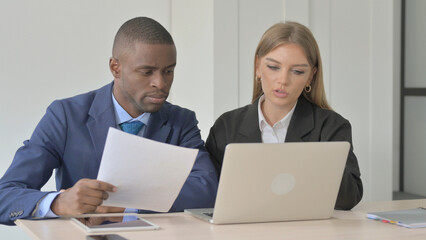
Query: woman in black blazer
[(288, 105)]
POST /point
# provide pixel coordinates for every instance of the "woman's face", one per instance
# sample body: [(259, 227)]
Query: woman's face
[(284, 71)]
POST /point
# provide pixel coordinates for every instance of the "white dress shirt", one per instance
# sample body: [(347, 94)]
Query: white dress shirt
[(276, 133)]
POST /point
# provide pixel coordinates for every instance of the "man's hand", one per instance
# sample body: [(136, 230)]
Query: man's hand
[(85, 196), (108, 209), (91, 221)]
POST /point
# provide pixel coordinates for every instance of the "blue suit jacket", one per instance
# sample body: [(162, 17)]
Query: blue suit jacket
[(71, 137)]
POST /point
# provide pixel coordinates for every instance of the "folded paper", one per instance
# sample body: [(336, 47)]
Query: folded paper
[(148, 174)]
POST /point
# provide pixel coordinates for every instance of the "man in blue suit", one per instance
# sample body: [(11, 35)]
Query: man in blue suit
[(71, 136)]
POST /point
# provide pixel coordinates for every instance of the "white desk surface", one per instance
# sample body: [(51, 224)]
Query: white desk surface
[(343, 225)]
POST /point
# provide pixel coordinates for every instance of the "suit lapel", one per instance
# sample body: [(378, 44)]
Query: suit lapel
[(157, 129), (302, 121), (101, 118), (249, 130)]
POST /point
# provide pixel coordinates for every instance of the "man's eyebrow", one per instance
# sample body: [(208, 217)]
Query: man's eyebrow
[(171, 65), (153, 67), (145, 67)]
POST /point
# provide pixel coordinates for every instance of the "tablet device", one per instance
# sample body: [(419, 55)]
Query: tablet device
[(105, 237), (101, 223)]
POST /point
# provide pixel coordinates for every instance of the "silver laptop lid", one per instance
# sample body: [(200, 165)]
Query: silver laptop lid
[(279, 182)]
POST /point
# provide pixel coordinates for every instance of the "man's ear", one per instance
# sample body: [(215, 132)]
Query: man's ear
[(115, 67)]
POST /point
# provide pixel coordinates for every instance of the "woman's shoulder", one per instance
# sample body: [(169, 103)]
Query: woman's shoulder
[(328, 115), (306, 108), (237, 111), (236, 115)]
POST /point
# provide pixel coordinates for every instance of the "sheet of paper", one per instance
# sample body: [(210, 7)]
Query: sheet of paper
[(148, 174)]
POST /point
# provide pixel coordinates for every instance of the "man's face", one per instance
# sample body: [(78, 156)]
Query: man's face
[(143, 76)]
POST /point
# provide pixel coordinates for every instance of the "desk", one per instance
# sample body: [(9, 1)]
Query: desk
[(343, 225)]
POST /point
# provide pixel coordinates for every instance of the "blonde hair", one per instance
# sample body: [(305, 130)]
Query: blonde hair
[(292, 32)]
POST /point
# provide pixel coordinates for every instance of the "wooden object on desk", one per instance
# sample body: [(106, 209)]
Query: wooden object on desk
[(343, 225)]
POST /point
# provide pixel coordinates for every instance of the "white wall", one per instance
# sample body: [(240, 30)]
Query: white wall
[(54, 49), (192, 30)]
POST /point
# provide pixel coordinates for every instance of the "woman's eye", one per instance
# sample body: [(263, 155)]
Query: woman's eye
[(298, 72), (273, 67)]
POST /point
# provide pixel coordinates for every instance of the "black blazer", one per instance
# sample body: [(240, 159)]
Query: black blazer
[(309, 123)]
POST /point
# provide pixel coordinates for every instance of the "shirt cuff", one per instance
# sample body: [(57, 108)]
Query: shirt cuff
[(44, 210), (130, 218)]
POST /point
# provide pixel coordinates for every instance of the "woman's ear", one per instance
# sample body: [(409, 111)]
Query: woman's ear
[(314, 71), (257, 64), (115, 67)]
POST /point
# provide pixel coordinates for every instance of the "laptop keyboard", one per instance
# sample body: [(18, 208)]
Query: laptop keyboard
[(208, 214)]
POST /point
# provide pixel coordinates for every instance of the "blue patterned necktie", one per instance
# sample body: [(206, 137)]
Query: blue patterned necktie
[(131, 127)]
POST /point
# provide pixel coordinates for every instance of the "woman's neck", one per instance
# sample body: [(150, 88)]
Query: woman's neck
[(273, 113)]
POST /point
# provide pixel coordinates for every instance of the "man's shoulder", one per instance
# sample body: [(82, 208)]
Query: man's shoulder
[(84, 100), (87, 96), (172, 109)]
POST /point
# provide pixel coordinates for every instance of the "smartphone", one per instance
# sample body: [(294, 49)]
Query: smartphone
[(101, 223), (105, 237)]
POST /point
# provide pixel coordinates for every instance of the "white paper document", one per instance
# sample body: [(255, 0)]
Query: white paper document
[(148, 174)]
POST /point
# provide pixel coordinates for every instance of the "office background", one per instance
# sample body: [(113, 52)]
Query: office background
[(52, 49)]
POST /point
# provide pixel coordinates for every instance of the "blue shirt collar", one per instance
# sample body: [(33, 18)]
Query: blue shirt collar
[(122, 116)]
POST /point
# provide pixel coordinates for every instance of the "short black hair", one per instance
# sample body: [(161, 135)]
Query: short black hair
[(141, 29)]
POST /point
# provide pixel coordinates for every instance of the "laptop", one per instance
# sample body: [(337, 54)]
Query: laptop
[(267, 182)]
